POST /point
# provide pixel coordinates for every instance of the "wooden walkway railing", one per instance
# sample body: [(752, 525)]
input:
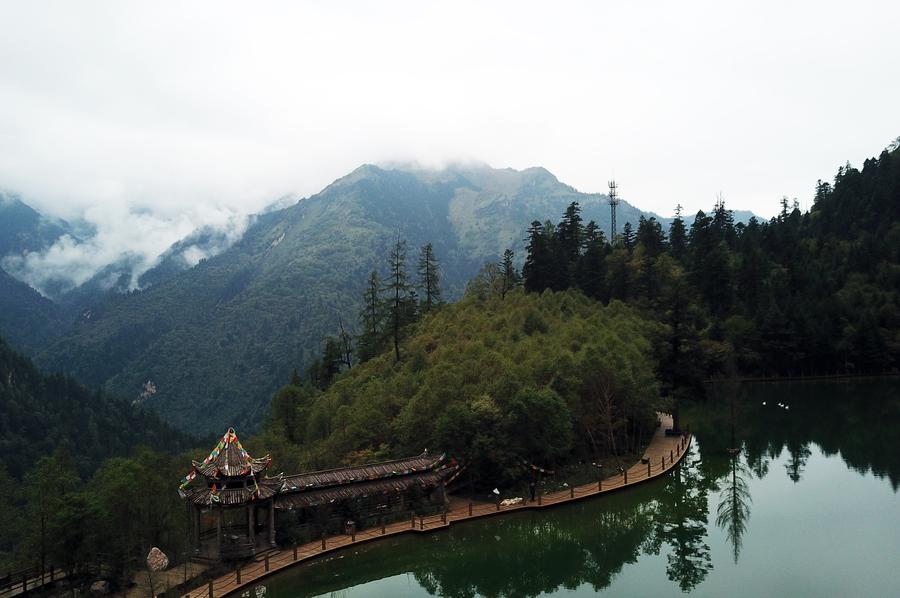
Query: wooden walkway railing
[(662, 454), (20, 582)]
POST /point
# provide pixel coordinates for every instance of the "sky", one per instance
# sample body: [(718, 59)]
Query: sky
[(151, 119)]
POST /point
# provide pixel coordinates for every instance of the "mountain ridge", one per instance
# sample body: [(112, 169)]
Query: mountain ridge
[(219, 337)]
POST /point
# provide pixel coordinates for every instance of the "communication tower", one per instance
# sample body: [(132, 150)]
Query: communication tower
[(613, 202)]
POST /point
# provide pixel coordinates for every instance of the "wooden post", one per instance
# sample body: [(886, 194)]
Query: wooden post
[(572, 492), (25, 583), (382, 528), (272, 523), (295, 552), (599, 484), (421, 522), (251, 524), (237, 575), (219, 532), (444, 516), (412, 522), (323, 541), (648, 468), (662, 461), (353, 536), (210, 590), (266, 561), (625, 473), (498, 503), (670, 456), (470, 508)]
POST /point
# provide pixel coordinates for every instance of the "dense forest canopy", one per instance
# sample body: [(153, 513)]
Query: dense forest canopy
[(815, 292), (79, 486), (45, 413), (496, 381)]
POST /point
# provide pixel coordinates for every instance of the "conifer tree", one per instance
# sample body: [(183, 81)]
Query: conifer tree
[(429, 278), (509, 276), (372, 320), (678, 236), (571, 233), (401, 308), (628, 236)]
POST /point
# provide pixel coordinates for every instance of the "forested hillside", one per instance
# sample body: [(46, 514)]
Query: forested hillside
[(43, 414), (497, 381), (216, 340), (805, 293)]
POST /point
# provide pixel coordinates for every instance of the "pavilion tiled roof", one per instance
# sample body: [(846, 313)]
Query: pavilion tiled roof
[(205, 495), (361, 473), (298, 499), (229, 459), (231, 477)]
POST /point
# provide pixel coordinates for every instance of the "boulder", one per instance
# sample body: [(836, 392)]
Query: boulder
[(100, 587), (157, 560)]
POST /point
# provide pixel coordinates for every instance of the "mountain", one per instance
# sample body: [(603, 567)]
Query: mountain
[(23, 229), (218, 338), (46, 413), (27, 319)]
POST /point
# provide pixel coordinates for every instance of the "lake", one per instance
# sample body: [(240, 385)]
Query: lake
[(807, 507)]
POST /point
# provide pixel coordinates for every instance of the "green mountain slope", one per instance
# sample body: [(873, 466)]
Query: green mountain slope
[(27, 319), (218, 338), (44, 413), (493, 381)]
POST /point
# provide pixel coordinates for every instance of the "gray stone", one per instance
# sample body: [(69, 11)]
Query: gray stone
[(157, 560), (100, 586)]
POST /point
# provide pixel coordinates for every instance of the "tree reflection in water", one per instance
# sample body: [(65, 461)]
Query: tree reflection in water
[(733, 511), (590, 543)]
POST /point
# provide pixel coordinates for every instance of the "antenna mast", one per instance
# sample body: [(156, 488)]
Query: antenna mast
[(613, 202)]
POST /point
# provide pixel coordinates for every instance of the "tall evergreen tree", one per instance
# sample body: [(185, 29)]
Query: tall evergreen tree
[(429, 278), (371, 319), (678, 236), (509, 276), (571, 233), (628, 236), (401, 309), (590, 275)]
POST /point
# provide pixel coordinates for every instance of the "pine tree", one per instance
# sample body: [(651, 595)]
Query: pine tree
[(372, 320), (678, 236), (509, 276), (571, 233), (628, 236), (590, 274), (429, 278), (650, 236), (537, 259), (401, 309)]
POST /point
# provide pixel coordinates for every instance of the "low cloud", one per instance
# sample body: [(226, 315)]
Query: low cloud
[(126, 242)]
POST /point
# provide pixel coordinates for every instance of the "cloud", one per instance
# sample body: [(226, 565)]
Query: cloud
[(128, 240), (150, 119)]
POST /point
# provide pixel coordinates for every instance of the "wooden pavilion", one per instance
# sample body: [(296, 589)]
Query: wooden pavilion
[(230, 495)]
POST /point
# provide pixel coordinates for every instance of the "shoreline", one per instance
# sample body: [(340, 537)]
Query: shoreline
[(662, 454)]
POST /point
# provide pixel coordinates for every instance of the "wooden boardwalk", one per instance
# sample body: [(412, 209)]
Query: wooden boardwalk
[(662, 454)]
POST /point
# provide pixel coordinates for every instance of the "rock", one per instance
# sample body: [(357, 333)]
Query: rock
[(100, 587), (157, 560), (508, 502)]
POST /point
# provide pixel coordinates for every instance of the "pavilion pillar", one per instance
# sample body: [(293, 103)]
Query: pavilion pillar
[(219, 532), (195, 527), (251, 524), (272, 523)]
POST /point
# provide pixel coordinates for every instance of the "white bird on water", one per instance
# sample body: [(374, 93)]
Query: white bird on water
[(764, 402)]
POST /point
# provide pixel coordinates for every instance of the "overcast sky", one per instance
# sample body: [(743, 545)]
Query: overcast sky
[(182, 112)]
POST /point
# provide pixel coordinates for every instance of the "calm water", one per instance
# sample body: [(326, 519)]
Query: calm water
[(809, 507)]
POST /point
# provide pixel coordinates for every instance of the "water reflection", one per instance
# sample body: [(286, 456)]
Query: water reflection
[(589, 546), (733, 511)]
